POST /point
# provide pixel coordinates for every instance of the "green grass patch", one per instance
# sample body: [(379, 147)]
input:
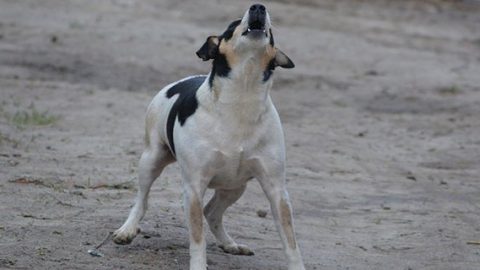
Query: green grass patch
[(32, 117), (450, 90)]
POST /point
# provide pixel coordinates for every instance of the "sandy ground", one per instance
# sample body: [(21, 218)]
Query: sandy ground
[(381, 117)]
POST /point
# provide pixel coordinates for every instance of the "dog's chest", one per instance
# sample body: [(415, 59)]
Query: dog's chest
[(234, 140), (232, 169), (225, 135)]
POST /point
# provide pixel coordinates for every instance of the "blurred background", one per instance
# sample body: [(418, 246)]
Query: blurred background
[(381, 116)]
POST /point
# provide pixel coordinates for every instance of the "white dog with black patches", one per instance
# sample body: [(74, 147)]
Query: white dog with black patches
[(223, 130)]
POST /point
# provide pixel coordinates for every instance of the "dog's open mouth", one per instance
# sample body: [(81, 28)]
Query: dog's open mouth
[(255, 28)]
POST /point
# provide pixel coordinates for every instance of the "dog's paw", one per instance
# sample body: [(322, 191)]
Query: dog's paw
[(124, 236), (236, 249)]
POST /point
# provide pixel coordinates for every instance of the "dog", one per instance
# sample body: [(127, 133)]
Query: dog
[(223, 130)]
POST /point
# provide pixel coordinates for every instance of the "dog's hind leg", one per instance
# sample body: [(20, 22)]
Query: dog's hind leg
[(213, 212), (151, 164)]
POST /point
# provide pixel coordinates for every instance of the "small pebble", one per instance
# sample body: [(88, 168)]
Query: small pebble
[(261, 213), (95, 253)]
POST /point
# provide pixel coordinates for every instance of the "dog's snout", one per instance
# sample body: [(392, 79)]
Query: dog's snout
[(256, 16)]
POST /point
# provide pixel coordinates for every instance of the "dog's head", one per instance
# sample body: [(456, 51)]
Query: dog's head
[(249, 39)]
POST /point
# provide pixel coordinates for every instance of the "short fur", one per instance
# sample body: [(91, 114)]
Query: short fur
[(223, 131)]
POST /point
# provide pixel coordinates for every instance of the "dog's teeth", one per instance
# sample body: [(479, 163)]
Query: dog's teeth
[(248, 30)]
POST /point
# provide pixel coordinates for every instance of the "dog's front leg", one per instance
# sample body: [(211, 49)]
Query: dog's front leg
[(194, 216), (282, 213), (271, 175)]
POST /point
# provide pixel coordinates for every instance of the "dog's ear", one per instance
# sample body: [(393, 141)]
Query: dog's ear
[(209, 48), (282, 60)]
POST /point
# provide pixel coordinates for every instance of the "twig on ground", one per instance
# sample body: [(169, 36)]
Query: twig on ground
[(95, 251)]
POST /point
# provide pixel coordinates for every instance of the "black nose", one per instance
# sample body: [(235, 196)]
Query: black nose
[(257, 8)]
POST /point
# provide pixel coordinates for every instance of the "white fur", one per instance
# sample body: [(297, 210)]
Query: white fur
[(234, 135)]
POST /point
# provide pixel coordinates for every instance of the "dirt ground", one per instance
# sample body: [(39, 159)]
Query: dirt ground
[(381, 116)]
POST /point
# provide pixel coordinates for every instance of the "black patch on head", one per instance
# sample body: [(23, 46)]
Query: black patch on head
[(230, 29), (220, 65), (185, 105), (269, 70), (272, 42)]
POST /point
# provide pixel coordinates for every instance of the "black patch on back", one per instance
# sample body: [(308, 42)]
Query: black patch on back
[(272, 42), (220, 65), (185, 105), (269, 70)]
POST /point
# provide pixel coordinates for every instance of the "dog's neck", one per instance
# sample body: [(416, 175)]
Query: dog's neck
[(244, 83), (242, 95)]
